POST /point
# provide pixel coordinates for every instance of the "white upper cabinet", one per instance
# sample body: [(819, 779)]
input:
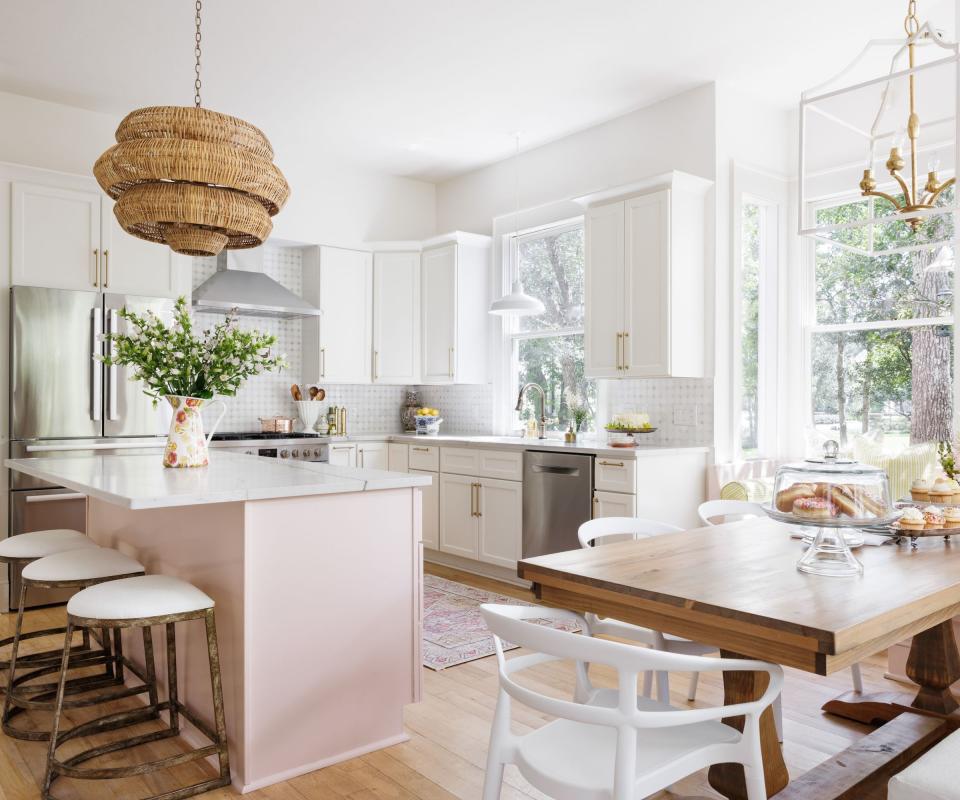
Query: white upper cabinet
[(336, 345), (68, 238), (396, 317), (645, 280), (454, 283), (55, 238)]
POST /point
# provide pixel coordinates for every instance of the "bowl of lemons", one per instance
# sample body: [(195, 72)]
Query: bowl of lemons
[(428, 421)]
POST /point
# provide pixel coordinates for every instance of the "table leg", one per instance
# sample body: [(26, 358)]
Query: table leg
[(728, 779), (933, 663)]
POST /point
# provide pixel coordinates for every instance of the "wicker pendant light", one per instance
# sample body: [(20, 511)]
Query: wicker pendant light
[(193, 179)]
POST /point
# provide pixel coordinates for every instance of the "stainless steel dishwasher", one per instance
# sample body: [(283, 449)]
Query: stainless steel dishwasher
[(557, 500)]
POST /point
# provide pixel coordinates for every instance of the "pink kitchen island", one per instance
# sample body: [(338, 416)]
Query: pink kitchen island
[(316, 574)]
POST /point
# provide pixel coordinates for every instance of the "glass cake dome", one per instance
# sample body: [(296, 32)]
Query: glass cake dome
[(831, 494)]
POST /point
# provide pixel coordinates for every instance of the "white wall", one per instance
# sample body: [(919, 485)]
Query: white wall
[(331, 202)]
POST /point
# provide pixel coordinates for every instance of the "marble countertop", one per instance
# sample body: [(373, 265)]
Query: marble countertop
[(584, 445), (141, 481)]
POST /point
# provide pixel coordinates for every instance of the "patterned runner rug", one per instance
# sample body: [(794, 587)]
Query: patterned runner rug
[(453, 630)]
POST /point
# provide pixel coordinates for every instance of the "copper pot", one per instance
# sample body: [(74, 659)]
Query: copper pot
[(276, 424)]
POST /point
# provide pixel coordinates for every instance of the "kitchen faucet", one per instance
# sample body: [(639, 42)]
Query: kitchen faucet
[(542, 425)]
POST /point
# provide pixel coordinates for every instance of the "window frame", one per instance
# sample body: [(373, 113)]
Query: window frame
[(811, 327), (511, 334)]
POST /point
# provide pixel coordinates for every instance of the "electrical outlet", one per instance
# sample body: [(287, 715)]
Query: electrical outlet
[(686, 415)]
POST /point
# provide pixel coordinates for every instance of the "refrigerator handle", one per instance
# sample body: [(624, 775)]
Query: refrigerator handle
[(112, 327), (96, 368)]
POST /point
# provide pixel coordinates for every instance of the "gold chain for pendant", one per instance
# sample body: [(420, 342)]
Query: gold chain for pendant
[(911, 24), (196, 52)]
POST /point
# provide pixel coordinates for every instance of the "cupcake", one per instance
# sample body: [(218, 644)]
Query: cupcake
[(945, 490), (951, 517), (933, 520), (912, 519), (920, 490)]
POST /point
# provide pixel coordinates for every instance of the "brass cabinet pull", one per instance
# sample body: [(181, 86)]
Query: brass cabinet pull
[(106, 269), (421, 449), (96, 267), (619, 350), (450, 362), (596, 502), (376, 364), (323, 362), (626, 363), (479, 487), (611, 463)]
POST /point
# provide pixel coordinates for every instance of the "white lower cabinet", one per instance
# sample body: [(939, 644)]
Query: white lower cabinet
[(614, 504), (398, 457), (343, 455), (458, 520), (481, 518), (430, 510), (500, 520), (372, 455)]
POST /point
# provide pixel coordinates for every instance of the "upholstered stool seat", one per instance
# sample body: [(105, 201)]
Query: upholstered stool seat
[(38, 544), (87, 565), (142, 602), (24, 548), (138, 598), (933, 776)]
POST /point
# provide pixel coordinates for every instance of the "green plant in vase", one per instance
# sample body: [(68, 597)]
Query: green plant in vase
[(189, 369)]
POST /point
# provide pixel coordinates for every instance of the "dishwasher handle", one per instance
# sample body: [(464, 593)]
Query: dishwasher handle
[(572, 471)]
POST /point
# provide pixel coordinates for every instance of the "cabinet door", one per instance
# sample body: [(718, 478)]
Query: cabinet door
[(398, 458), (458, 522), (372, 455), (647, 286), (346, 287), (439, 313), (396, 318), (55, 237), (135, 266), (603, 290), (614, 504), (431, 510), (343, 455), (500, 521)]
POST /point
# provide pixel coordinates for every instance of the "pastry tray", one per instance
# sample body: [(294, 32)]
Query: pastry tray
[(908, 501), (832, 522)]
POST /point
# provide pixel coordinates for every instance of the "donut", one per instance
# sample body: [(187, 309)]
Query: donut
[(814, 507), (786, 497)]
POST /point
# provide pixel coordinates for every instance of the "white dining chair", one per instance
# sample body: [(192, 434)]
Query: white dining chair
[(610, 743), (599, 531), (741, 509), (722, 509)]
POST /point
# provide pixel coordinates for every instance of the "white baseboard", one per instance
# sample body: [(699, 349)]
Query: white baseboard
[(474, 567)]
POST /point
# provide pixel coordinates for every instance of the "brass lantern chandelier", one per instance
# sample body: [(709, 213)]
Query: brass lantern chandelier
[(914, 198), (193, 179)]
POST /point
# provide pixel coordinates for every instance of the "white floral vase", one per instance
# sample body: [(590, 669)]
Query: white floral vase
[(186, 443)]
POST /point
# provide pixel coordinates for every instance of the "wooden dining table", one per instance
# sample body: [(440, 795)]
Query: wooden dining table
[(736, 586)]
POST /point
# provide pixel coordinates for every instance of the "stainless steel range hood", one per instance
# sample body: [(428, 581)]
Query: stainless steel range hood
[(240, 283)]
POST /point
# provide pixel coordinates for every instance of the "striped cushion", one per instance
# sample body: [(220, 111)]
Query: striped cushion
[(750, 489), (915, 461)]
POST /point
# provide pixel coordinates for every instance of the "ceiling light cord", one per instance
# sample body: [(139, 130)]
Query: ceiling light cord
[(197, 52)]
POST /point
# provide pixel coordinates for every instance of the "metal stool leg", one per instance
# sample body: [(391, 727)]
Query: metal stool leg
[(57, 711), (213, 653)]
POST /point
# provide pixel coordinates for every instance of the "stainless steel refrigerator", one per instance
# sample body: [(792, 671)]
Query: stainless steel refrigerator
[(64, 403)]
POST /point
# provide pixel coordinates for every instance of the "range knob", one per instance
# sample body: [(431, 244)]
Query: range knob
[(296, 454), (284, 454), (316, 454), (248, 452)]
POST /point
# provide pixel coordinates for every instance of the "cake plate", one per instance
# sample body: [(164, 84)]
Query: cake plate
[(629, 433), (829, 554)]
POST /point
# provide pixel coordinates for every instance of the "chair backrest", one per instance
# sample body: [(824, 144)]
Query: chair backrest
[(511, 623), (592, 532), (713, 512)]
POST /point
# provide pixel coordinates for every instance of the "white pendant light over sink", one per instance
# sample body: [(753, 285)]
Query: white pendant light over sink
[(517, 303)]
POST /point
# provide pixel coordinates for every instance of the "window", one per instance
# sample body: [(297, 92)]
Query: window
[(881, 340), (548, 348)]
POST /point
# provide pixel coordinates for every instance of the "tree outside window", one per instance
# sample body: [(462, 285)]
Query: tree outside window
[(548, 348)]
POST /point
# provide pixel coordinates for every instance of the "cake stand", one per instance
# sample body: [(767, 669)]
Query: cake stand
[(629, 433), (829, 554)]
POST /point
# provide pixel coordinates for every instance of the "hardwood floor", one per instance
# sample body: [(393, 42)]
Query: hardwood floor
[(445, 755)]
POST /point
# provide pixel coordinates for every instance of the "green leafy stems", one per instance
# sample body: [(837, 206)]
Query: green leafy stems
[(173, 359)]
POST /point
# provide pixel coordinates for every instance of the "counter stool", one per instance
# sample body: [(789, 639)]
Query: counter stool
[(20, 550), (142, 603), (72, 569)]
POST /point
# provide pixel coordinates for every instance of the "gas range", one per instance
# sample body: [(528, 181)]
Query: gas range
[(299, 446)]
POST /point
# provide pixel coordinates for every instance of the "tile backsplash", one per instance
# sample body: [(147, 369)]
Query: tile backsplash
[(670, 402)]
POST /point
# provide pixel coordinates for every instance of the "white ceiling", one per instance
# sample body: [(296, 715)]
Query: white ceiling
[(431, 88)]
